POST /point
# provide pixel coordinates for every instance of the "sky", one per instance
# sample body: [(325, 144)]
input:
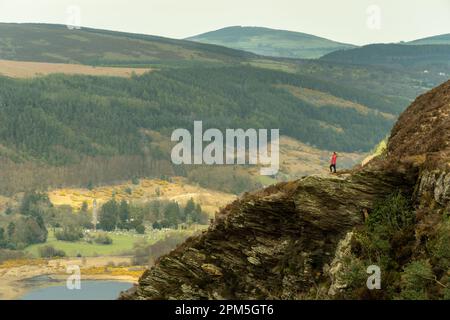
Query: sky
[(351, 21)]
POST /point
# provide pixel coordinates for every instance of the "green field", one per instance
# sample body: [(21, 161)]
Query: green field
[(122, 244)]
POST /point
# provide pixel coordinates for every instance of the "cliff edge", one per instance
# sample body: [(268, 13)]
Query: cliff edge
[(287, 241)]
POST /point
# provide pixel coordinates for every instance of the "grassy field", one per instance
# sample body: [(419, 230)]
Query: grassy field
[(122, 244), (26, 69), (323, 99)]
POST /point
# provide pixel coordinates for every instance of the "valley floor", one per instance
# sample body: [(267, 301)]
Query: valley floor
[(100, 262)]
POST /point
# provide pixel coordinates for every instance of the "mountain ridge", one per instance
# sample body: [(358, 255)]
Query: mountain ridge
[(436, 39), (417, 58), (271, 42), (56, 43)]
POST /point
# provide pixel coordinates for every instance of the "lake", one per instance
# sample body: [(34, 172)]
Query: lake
[(90, 290)]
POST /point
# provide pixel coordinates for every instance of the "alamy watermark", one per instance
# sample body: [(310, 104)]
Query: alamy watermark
[(373, 21), (73, 20), (374, 280), (232, 150), (73, 282)]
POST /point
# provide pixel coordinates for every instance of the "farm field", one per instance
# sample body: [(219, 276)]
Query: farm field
[(122, 243)]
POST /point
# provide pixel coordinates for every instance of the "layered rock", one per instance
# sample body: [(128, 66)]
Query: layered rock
[(276, 243), (269, 244)]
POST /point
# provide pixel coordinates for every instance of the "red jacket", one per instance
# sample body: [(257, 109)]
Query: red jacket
[(333, 159)]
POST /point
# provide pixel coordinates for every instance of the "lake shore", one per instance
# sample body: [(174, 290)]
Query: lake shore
[(16, 278)]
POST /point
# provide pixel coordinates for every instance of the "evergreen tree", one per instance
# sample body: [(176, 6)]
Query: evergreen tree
[(124, 212), (109, 215), (189, 210), (172, 214), (2, 238)]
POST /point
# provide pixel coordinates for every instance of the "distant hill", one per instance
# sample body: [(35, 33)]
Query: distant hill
[(440, 39), (51, 119), (271, 42), (56, 43), (434, 58), (46, 43)]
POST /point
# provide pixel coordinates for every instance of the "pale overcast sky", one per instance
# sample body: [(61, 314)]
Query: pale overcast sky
[(353, 21)]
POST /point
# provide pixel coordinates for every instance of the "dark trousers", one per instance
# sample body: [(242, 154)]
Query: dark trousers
[(333, 167)]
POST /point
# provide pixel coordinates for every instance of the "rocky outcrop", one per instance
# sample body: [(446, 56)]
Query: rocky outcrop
[(422, 133), (336, 267), (421, 138), (275, 243), (272, 244)]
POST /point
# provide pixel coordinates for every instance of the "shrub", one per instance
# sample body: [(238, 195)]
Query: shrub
[(110, 264), (415, 278), (447, 293), (50, 252), (25, 231), (6, 254), (353, 273), (440, 247), (103, 238), (156, 225), (412, 269), (69, 234), (140, 229), (386, 240), (394, 214)]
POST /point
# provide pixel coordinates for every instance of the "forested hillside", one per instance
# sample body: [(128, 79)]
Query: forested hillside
[(58, 118), (76, 130), (421, 58)]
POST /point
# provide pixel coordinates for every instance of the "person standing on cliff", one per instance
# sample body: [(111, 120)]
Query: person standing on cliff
[(333, 162)]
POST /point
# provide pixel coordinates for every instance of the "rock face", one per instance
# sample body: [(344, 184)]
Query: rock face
[(421, 137), (276, 243), (435, 185)]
